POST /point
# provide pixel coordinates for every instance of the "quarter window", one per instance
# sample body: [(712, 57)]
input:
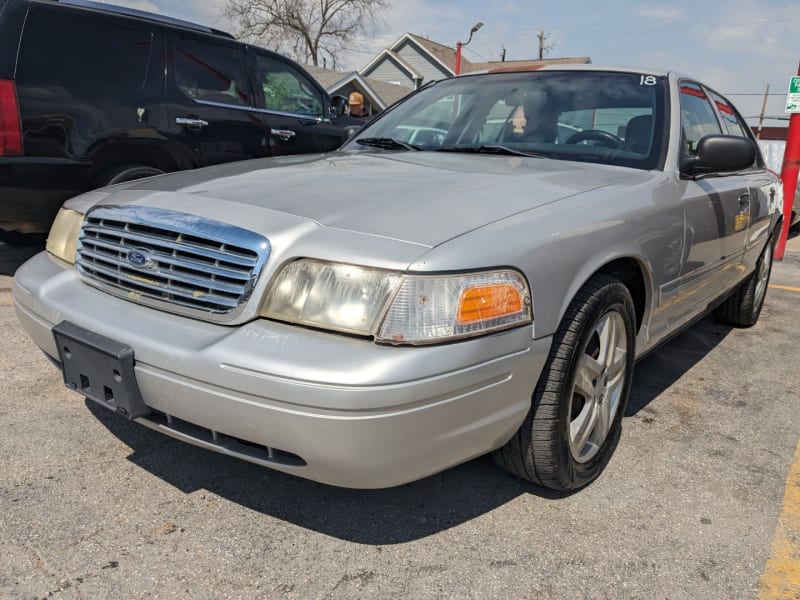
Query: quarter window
[(110, 58), (211, 72), (729, 117)]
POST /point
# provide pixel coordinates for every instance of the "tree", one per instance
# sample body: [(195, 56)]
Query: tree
[(310, 31)]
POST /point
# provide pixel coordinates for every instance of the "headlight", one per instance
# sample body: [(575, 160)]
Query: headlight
[(329, 295), (63, 237), (395, 307), (431, 309)]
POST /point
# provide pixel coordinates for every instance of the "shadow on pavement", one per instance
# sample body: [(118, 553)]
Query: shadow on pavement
[(388, 516), (664, 366), (376, 517)]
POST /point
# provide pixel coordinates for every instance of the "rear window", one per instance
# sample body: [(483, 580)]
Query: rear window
[(87, 56)]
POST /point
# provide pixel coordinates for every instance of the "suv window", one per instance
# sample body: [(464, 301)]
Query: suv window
[(697, 115), (286, 90), (211, 72), (108, 58)]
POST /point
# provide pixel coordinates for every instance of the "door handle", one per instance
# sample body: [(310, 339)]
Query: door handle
[(191, 122), (284, 134)]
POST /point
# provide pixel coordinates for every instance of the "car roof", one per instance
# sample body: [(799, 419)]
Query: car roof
[(141, 14), (573, 67)]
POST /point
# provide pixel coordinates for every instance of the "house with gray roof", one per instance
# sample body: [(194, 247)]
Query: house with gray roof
[(413, 60), (378, 95), (408, 64)]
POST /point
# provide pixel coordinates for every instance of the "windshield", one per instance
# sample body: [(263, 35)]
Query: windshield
[(592, 116)]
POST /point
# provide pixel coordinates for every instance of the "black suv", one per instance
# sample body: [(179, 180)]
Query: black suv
[(92, 94)]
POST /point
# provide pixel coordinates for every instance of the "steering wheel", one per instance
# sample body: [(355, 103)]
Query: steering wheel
[(609, 140)]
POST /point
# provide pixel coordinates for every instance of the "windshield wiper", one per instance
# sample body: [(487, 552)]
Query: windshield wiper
[(387, 143), (490, 149)]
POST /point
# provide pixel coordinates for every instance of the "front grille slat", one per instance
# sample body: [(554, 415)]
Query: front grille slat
[(172, 261), (159, 286), (134, 240), (102, 248), (176, 278)]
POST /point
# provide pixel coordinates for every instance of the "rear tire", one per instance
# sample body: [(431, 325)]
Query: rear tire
[(743, 307), (123, 173), (576, 411)]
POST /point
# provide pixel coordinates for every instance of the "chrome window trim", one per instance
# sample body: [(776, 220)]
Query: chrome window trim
[(262, 111)]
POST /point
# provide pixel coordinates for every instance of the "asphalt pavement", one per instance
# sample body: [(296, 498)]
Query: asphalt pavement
[(690, 506)]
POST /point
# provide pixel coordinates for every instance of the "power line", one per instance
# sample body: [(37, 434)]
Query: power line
[(631, 29)]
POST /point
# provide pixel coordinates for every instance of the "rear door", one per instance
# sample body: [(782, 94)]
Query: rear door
[(295, 107), (211, 107)]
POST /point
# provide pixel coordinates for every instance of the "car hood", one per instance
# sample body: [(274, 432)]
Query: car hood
[(422, 198)]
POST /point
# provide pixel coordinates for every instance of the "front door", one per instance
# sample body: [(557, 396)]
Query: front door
[(295, 108), (716, 212)]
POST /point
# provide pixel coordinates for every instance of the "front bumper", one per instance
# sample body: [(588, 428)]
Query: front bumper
[(328, 407)]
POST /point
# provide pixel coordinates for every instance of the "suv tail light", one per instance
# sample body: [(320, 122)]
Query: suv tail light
[(10, 130)]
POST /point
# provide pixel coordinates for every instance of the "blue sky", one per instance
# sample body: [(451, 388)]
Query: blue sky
[(735, 46)]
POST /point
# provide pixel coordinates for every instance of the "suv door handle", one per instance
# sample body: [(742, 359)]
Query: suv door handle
[(191, 122), (284, 134)]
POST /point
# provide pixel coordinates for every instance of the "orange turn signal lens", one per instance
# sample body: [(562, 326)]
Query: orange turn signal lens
[(488, 302)]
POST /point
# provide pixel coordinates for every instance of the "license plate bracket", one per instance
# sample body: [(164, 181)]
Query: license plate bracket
[(99, 368)]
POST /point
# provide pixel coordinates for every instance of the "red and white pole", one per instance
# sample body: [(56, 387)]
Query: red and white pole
[(458, 58), (789, 172)]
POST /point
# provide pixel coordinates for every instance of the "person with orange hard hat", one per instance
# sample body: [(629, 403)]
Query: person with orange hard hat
[(357, 108)]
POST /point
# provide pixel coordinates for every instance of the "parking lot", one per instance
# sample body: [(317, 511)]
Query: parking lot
[(699, 500)]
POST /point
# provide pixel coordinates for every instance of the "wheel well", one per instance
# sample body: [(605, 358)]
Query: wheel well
[(630, 273), (134, 154)]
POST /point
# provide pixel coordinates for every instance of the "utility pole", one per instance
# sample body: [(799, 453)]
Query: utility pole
[(761, 116), (542, 39), (791, 166)]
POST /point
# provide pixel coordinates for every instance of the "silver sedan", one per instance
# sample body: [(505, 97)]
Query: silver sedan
[(476, 271)]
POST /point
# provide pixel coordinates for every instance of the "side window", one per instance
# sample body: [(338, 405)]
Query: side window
[(285, 89), (211, 72), (698, 118), (730, 120), (86, 56)]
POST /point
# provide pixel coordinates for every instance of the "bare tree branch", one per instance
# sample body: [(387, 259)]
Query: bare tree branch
[(306, 30)]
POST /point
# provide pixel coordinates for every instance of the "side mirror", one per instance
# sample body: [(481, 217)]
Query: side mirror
[(350, 131), (720, 153), (338, 105)]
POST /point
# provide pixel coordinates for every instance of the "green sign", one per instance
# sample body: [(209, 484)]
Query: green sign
[(793, 97)]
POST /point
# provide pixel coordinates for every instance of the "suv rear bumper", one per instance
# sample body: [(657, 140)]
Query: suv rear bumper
[(32, 189)]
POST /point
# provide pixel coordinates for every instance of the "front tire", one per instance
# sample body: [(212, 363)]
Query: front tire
[(743, 307), (576, 412)]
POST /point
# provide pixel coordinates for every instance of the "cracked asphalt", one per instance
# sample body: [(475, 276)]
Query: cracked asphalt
[(93, 506)]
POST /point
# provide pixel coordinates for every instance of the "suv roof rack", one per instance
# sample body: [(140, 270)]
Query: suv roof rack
[(132, 12)]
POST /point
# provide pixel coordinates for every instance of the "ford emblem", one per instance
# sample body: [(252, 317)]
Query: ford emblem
[(139, 258)]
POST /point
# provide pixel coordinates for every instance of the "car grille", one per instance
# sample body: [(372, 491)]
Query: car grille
[(172, 261)]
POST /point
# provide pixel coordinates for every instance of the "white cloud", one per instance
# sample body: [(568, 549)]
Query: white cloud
[(663, 14)]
